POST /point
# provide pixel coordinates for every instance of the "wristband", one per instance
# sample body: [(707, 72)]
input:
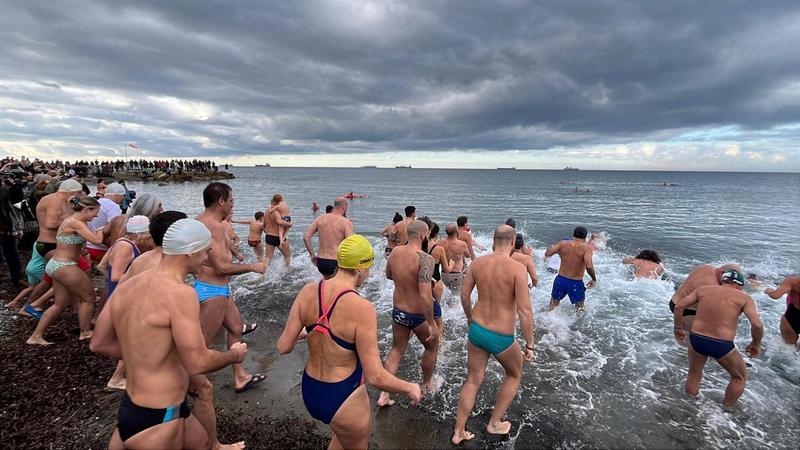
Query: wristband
[(529, 348)]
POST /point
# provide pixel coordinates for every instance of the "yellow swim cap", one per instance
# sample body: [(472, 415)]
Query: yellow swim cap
[(355, 252)]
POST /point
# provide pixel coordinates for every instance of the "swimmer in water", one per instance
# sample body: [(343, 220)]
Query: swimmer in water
[(647, 264), (277, 222), (351, 195), (314, 207), (411, 269), (465, 234), (790, 321), (391, 234), (502, 297), (332, 228), (713, 331), (525, 259), (576, 257), (254, 232), (343, 348)]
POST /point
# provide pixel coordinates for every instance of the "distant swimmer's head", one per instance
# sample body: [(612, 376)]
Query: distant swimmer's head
[(417, 229), (580, 233), (410, 211), (259, 215), (355, 255), (161, 223), (649, 255), (188, 237), (462, 221), (519, 242), (733, 276), (511, 222), (451, 229), (397, 218)]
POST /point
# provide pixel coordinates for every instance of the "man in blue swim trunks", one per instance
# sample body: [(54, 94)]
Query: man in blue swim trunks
[(213, 279), (713, 331), (576, 258), (502, 296), (411, 269)]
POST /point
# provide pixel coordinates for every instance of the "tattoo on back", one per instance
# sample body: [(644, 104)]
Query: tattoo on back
[(425, 267)]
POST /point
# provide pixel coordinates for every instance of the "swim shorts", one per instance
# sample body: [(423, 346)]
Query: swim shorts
[(563, 286), (206, 291), (453, 280), (133, 419), (253, 244), (272, 240), (35, 268), (437, 309)]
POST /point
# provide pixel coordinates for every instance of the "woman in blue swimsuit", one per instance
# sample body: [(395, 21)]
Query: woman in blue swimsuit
[(343, 348), (70, 283)]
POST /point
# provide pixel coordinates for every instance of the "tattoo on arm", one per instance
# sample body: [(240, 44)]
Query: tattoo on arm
[(425, 268)]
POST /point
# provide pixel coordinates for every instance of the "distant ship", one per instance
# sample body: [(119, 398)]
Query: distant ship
[(403, 167), (571, 168), (369, 167), (263, 165), (506, 168)]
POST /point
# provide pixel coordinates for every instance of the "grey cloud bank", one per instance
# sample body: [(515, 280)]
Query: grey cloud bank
[(233, 79)]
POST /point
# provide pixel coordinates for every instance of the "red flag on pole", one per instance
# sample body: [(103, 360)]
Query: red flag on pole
[(133, 145)]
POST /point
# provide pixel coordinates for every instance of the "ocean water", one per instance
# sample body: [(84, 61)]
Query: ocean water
[(613, 378)]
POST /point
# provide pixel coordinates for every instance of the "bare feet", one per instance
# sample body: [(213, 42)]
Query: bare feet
[(502, 427), (85, 335), (385, 400), (37, 341), (429, 388), (236, 446), (116, 384), (461, 436)]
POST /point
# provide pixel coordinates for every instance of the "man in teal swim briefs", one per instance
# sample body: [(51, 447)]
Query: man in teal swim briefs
[(502, 295)]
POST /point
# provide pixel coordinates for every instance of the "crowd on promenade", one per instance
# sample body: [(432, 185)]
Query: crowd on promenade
[(96, 168), (161, 328)]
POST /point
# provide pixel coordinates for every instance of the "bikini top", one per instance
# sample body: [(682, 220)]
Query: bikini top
[(73, 239), (323, 322)]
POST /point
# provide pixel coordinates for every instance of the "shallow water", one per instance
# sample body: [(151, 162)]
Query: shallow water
[(610, 379)]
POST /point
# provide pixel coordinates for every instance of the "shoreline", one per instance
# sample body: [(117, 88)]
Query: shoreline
[(163, 177)]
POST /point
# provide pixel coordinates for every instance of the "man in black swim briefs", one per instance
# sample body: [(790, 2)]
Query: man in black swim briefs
[(332, 228), (713, 331), (411, 269), (276, 224), (153, 412)]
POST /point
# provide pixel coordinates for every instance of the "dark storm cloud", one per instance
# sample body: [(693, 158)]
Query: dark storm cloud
[(256, 77)]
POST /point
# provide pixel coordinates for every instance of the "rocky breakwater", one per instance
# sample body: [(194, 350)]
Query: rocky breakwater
[(165, 177)]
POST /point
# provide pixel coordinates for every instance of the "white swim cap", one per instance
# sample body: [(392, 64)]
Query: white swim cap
[(70, 186), (137, 224), (115, 189), (185, 237)]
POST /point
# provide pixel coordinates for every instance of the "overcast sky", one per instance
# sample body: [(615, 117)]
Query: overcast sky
[(596, 84)]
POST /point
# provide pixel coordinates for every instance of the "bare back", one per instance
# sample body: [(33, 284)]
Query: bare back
[(332, 229), (146, 261), (456, 251), (405, 267), (256, 227), (50, 212), (499, 280), (156, 377), (718, 310), (402, 230), (573, 256)]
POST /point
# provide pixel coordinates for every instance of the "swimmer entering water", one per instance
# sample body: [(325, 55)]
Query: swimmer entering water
[(790, 321), (576, 257), (647, 264), (713, 330), (502, 296)]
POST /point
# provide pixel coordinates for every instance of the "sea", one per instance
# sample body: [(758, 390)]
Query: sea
[(610, 379)]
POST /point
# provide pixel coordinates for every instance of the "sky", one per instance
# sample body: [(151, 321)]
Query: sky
[(617, 85)]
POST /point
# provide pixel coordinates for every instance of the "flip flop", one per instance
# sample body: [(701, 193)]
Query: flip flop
[(35, 313), (249, 328), (257, 378)]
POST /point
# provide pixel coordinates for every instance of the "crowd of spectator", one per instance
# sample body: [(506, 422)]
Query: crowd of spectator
[(107, 168)]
